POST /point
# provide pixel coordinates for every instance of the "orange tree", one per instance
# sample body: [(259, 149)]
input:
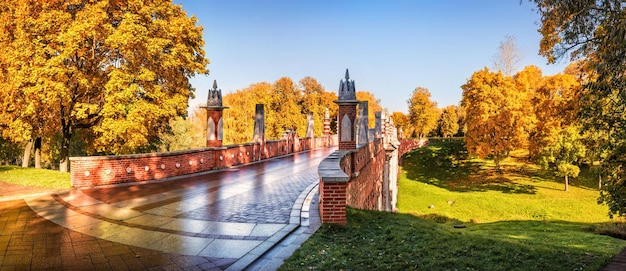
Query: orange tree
[(114, 68), (494, 117)]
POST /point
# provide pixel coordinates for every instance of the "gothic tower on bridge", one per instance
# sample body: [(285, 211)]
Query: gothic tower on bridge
[(214, 111), (347, 114)]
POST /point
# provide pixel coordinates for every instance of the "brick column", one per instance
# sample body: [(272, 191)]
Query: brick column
[(214, 132), (334, 180), (333, 209), (326, 131), (346, 118), (214, 112)]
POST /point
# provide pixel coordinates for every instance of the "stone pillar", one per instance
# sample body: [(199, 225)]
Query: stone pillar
[(214, 111), (347, 114), (378, 130), (310, 125), (362, 129), (400, 133), (326, 131), (259, 132)]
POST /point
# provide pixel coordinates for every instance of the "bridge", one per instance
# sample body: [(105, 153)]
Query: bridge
[(236, 207)]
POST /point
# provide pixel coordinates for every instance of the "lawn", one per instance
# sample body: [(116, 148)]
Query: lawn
[(44, 178), (517, 219)]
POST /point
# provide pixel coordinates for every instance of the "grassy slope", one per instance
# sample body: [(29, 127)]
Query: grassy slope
[(480, 194), (34, 177), (523, 220)]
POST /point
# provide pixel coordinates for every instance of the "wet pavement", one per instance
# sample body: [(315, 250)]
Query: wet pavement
[(249, 217)]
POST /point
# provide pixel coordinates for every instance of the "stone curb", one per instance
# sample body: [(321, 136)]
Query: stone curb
[(295, 222)]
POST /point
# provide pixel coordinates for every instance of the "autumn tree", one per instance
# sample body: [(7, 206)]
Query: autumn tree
[(423, 113), (508, 56), (556, 106), (239, 118), (461, 114), (402, 121), (594, 31), (494, 121), (116, 68), (286, 107), (316, 99), (448, 121), (373, 105)]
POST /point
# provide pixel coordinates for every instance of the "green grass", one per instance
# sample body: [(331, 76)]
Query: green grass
[(517, 219), (386, 241), (35, 177)]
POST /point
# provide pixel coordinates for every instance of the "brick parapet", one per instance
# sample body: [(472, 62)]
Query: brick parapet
[(358, 177), (105, 170), (407, 145)]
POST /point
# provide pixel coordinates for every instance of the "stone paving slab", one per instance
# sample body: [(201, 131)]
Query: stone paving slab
[(222, 220)]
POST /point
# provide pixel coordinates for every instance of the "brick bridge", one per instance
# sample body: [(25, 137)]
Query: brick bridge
[(362, 173)]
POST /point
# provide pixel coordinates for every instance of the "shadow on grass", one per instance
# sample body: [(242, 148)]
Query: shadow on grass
[(8, 168), (379, 240), (446, 165)]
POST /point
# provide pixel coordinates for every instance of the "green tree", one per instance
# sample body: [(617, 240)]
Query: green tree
[(564, 154), (423, 113), (117, 68), (594, 31)]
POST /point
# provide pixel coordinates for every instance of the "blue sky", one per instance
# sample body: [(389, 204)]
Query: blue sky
[(391, 47)]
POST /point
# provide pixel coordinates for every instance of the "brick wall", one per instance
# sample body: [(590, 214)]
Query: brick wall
[(355, 178), (104, 170), (406, 145)]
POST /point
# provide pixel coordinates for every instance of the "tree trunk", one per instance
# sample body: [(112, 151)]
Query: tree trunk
[(26, 157), (38, 152), (496, 160), (65, 148), (566, 184), (599, 182)]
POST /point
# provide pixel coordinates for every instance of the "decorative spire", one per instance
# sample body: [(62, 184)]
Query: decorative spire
[(346, 89), (215, 96)]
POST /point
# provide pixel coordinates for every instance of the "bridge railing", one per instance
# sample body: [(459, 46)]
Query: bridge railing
[(115, 169), (365, 178)]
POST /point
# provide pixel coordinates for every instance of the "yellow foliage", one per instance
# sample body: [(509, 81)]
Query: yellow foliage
[(286, 106), (118, 68), (373, 105), (494, 116), (423, 113)]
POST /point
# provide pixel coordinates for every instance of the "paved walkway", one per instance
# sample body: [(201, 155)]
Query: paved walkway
[(250, 217)]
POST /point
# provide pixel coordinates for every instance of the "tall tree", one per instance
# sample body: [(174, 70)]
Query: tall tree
[(403, 122), (508, 56), (423, 113), (285, 112), (239, 118), (556, 105), (315, 100), (594, 30), (494, 120), (117, 68), (448, 122)]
